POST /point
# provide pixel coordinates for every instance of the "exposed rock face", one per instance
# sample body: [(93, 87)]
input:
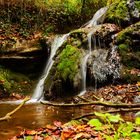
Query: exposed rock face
[(129, 45), (25, 55)]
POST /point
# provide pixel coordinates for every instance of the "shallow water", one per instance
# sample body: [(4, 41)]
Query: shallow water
[(33, 116)]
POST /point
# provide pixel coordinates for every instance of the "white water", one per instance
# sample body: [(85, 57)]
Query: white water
[(84, 66), (97, 18), (58, 41), (103, 67)]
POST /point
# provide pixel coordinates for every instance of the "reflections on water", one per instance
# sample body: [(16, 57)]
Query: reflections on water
[(33, 116)]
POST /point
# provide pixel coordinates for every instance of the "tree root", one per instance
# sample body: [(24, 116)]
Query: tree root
[(8, 115), (108, 104), (110, 111)]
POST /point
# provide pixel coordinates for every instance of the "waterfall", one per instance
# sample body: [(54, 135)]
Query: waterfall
[(58, 41), (97, 18), (84, 65)]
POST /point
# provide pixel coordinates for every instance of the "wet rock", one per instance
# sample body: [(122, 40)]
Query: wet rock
[(137, 99)]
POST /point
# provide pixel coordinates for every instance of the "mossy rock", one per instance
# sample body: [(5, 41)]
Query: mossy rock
[(128, 44), (123, 13), (68, 62), (12, 82), (63, 74)]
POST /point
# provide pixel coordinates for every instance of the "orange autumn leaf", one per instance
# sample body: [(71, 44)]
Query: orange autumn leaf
[(48, 138), (51, 127), (81, 127), (31, 132), (67, 134), (99, 137), (63, 136)]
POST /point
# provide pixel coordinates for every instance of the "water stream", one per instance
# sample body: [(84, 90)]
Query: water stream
[(84, 65), (97, 18), (58, 41), (34, 116)]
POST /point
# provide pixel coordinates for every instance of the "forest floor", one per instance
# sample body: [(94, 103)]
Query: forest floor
[(101, 126)]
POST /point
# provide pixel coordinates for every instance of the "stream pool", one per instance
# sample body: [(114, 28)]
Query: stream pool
[(32, 116)]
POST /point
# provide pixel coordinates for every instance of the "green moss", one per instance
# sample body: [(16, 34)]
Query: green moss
[(137, 3), (14, 82), (117, 13), (128, 40), (126, 35), (68, 62), (4, 82), (123, 47)]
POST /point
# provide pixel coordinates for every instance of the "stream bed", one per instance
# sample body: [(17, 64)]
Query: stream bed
[(32, 116)]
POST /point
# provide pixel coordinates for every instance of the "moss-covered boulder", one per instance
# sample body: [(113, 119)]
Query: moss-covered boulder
[(129, 49), (124, 12), (14, 83), (129, 45), (65, 73)]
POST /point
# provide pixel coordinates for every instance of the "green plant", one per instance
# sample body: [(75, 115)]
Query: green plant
[(113, 127)]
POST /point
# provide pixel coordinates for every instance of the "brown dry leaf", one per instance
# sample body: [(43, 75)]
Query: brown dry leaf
[(38, 137), (14, 138), (135, 71)]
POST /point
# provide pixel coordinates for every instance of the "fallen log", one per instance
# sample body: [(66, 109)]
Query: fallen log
[(108, 104)]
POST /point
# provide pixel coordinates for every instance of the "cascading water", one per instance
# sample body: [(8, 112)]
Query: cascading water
[(97, 18), (84, 66), (58, 41)]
